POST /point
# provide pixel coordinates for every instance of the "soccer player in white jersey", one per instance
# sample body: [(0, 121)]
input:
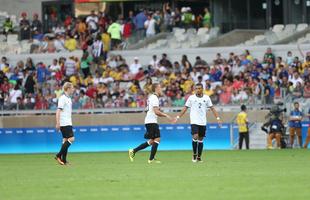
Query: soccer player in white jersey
[(152, 129), (64, 122), (198, 104)]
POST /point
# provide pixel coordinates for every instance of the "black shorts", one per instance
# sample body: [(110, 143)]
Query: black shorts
[(200, 130), (152, 131), (67, 131)]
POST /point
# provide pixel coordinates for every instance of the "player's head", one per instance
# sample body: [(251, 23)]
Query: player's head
[(156, 88), (243, 107), (296, 105), (68, 88), (199, 89)]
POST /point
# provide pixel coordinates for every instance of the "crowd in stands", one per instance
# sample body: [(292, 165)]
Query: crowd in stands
[(113, 32), (115, 83)]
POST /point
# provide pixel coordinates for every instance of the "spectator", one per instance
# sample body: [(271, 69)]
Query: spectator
[(97, 49), (70, 66), (92, 21), (14, 95), (24, 25), (70, 43), (135, 66), (52, 23), (139, 24), (206, 21), (306, 91), (36, 26), (30, 84), (187, 18), (200, 63), (7, 27), (42, 74), (115, 31), (54, 68), (149, 25), (295, 78), (86, 61)]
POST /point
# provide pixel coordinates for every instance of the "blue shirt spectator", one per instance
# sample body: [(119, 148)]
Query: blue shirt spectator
[(139, 20), (295, 123), (42, 73)]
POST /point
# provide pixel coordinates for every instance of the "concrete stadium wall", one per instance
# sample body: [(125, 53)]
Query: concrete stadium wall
[(111, 119), (145, 56), (16, 7)]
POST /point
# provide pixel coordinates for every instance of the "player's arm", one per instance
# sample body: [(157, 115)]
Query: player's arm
[(58, 118), (183, 111), (216, 115), (160, 113)]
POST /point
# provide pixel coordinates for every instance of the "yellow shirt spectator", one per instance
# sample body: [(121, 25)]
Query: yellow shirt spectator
[(106, 40), (70, 44), (242, 122)]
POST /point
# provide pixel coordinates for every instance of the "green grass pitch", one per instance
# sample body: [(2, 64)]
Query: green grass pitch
[(227, 175)]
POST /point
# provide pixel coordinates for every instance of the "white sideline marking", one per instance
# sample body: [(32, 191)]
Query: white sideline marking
[(126, 129), (29, 131), (115, 129), (180, 127), (104, 129), (137, 129), (8, 132), (169, 128)]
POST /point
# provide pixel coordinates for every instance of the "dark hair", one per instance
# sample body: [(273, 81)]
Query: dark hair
[(243, 107), (199, 84)]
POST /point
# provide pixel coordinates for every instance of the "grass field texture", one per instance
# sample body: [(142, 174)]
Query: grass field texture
[(229, 175)]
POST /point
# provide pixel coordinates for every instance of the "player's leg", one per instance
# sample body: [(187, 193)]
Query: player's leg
[(247, 140), (292, 136), (194, 141), (278, 139), (201, 135), (240, 140), (67, 145), (60, 153), (298, 133), (307, 139), (154, 150), (147, 135), (269, 140)]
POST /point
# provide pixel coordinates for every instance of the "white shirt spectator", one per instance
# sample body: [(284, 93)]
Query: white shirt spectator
[(154, 64), (14, 94), (70, 67), (294, 80), (152, 102), (198, 109), (205, 77), (92, 22), (150, 27), (65, 104), (134, 67), (54, 69), (59, 45)]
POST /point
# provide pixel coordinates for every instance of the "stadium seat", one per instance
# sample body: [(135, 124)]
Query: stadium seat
[(278, 28), (301, 27), (202, 31)]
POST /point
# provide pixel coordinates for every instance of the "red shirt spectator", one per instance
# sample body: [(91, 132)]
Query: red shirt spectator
[(127, 30)]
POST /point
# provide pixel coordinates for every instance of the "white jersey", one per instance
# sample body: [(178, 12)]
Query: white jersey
[(65, 104), (152, 102), (198, 107)]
